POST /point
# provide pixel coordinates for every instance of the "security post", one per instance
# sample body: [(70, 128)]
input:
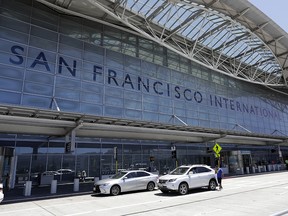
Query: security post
[(174, 154), (116, 159)]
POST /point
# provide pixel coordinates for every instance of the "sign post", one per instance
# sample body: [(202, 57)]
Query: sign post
[(174, 155), (116, 159)]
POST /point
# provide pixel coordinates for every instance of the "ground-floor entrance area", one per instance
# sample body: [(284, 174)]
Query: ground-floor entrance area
[(30, 158)]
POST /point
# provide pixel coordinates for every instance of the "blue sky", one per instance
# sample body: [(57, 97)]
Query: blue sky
[(275, 9)]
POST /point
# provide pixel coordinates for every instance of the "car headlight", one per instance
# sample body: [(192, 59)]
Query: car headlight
[(172, 180), (104, 185)]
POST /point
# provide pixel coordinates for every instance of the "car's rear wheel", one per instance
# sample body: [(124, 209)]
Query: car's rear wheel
[(115, 190), (212, 184), (183, 189), (150, 186)]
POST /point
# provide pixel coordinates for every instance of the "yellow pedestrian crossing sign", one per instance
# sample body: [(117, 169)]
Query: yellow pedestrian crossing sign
[(217, 148)]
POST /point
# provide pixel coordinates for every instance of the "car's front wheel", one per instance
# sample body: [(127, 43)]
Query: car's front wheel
[(212, 184), (115, 190), (183, 189), (150, 186)]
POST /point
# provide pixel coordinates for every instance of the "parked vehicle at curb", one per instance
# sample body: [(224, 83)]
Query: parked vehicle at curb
[(184, 178), (66, 174), (1, 192), (124, 181)]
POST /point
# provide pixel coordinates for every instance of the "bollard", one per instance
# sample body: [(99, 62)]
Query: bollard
[(247, 170), (27, 188), (96, 179), (253, 169), (53, 186), (264, 168), (76, 185), (269, 167), (259, 169)]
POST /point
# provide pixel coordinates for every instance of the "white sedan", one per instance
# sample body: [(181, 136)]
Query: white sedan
[(125, 181)]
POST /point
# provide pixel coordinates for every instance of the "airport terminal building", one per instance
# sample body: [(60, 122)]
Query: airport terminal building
[(101, 85)]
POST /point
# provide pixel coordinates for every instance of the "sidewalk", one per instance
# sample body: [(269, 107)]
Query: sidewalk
[(64, 190), (44, 192)]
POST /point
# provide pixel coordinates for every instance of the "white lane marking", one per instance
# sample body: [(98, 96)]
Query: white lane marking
[(118, 207), (282, 193), (132, 205), (104, 209), (81, 213), (20, 210), (155, 201), (280, 213), (208, 212)]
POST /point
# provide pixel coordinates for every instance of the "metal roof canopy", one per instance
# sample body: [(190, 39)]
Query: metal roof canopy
[(231, 37), (19, 120)]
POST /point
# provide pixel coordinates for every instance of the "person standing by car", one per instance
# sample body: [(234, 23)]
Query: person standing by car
[(219, 173)]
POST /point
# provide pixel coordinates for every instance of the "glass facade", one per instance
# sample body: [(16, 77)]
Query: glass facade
[(49, 61)]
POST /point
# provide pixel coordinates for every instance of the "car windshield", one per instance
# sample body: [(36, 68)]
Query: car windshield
[(118, 175), (179, 171)]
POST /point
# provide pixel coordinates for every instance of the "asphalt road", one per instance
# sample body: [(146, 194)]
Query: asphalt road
[(257, 195)]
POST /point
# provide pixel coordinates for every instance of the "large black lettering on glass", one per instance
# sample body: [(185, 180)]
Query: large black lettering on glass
[(72, 71), (41, 59), (18, 60)]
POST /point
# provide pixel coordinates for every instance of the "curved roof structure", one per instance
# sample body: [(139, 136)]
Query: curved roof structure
[(231, 37)]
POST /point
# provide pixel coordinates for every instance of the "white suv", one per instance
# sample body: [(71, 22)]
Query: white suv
[(184, 178)]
